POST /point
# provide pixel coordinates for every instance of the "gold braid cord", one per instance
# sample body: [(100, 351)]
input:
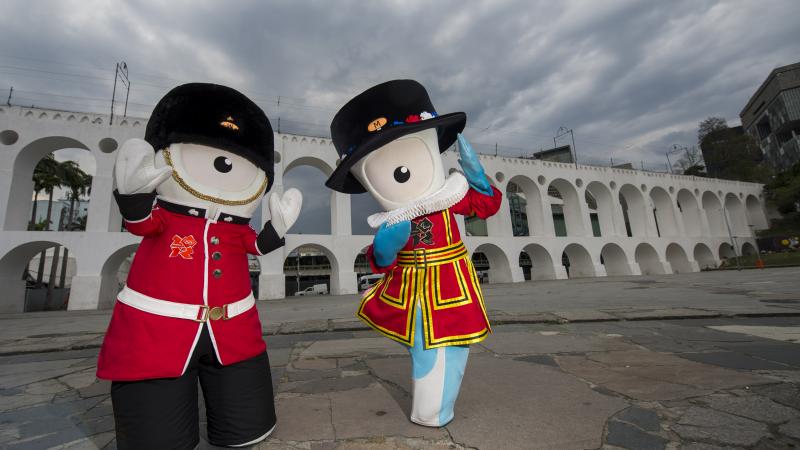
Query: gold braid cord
[(182, 183)]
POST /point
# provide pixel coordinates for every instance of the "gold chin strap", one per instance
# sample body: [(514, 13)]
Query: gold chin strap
[(182, 183)]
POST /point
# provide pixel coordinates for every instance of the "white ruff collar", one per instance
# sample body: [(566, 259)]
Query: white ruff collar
[(453, 190)]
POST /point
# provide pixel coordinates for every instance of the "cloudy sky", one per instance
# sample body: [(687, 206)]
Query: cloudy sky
[(630, 77)]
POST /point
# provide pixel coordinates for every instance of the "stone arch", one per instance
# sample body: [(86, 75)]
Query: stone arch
[(499, 267), (361, 264), (525, 205), (726, 251), (737, 217), (676, 256), (713, 209), (542, 263), (704, 257), (648, 260), (578, 262), (749, 249), (14, 267), (755, 213), (615, 260), (604, 207), (19, 198), (565, 208), (664, 212), (634, 210), (317, 199), (690, 212), (110, 282), (315, 271)]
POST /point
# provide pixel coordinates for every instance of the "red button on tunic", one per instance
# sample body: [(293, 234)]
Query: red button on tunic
[(447, 289), (174, 263)]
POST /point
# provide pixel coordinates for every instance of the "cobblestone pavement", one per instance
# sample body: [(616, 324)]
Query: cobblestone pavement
[(710, 383)]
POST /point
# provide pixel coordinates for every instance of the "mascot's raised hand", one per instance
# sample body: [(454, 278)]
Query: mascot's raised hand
[(135, 168), (284, 210)]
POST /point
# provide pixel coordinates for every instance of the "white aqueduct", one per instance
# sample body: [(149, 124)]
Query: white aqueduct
[(674, 223)]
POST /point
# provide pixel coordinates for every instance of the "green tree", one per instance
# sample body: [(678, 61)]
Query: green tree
[(78, 183), (46, 177), (710, 125), (730, 153)]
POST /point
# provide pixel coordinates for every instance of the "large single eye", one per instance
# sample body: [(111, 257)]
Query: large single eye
[(223, 164), (217, 168), (402, 174), (401, 170)]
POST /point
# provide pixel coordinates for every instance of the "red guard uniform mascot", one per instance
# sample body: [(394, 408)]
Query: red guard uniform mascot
[(187, 312), (389, 140)]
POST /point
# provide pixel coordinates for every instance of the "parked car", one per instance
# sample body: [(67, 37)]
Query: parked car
[(317, 289), (366, 281)]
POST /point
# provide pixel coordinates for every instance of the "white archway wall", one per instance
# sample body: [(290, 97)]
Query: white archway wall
[(571, 207), (534, 206), (678, 260), (636, 209), (606, 212), (713, 209), (737, 218), (664, 211), (630, 183)]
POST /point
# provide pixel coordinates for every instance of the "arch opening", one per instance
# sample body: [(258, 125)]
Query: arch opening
[(677, 258), (565, 208), (614, 260), (749, 249), (737, 219), (307, 268), (704, 257), (525, 206), (663, 212), (755, 213), (36, 276), (577, 261), (316, 214), (690, 213), (542, 267), (648, 260), (632, 202), (601, 210), (491, 264), (713, 210)]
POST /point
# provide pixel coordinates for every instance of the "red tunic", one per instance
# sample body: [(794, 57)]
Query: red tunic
[(177, 261), (435, 269)]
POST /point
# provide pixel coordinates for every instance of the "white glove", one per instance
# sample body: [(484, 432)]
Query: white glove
[(135, 169), (284, 210)]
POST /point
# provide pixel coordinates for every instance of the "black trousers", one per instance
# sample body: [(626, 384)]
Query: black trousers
[(163, 413)]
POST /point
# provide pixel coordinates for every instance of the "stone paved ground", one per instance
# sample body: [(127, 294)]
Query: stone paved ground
[(711, 383)]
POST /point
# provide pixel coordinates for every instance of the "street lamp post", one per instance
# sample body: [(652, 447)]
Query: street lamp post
[(733, 239), (562, 131)]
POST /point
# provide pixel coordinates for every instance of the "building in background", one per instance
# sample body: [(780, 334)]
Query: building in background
[(772, 117), (559, 154)]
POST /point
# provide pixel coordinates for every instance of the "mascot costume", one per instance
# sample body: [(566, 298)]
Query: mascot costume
[(389, 140), (187, 312)]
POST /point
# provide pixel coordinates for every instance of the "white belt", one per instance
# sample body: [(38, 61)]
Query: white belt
[(198, 313)]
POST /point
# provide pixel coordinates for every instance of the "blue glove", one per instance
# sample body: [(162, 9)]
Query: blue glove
[(473, 170), (389, 240)]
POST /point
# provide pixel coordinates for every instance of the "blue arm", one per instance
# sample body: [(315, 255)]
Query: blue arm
[(389, 240), (473, 170)]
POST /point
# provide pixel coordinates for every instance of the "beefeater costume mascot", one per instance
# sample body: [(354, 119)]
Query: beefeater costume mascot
[(389, 140), (187, 312)]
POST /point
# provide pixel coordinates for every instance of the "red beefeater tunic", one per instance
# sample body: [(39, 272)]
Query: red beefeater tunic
[(190, 260), (435, 269)]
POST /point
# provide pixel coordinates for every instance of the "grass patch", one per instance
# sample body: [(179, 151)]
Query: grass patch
[(770, 259)]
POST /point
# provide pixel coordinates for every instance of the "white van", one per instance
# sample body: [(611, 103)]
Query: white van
[(366, 281)]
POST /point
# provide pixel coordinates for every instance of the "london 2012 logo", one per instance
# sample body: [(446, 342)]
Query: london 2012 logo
[(182, 246)]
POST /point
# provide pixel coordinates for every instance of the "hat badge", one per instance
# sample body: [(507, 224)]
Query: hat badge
[(376, 124), (228, 123)]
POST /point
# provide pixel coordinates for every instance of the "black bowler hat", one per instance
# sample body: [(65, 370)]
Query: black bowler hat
[(380, 115), (217, 116)]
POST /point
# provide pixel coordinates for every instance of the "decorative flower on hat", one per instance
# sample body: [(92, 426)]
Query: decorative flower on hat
[(412, 118), (425, 115)]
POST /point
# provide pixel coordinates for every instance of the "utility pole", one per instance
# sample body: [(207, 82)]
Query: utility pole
[(121, 73), (733, 239), (10, 91), (562, 131)]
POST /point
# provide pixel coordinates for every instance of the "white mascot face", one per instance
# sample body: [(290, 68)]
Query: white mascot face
[(210, 178), (402, 171)]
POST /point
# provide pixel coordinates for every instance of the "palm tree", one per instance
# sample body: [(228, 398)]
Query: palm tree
[(78, 183), (45, 178)]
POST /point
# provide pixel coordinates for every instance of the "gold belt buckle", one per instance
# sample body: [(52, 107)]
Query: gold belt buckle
[(215, 313), (424, 258)]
